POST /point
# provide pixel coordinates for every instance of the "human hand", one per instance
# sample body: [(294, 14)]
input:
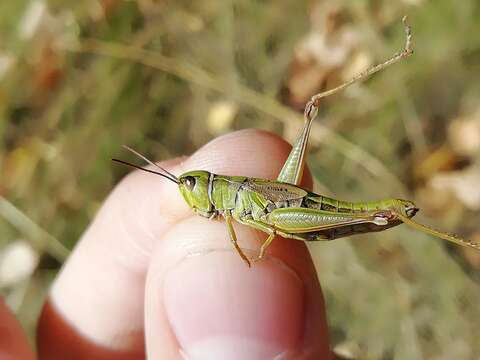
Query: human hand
[(150, 278)]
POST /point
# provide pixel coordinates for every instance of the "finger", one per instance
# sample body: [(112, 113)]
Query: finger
[(13, 343), (96, 302), (99, 293), (203, 302)]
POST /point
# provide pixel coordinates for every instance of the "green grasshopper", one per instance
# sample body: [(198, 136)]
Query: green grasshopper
[(282, 207)]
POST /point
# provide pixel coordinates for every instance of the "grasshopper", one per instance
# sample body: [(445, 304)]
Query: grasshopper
[(282, 207)]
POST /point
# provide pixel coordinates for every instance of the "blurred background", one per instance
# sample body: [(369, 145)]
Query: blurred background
[(80, 78)]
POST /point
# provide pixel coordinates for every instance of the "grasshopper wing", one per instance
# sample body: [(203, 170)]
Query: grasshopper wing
[(275, 191)]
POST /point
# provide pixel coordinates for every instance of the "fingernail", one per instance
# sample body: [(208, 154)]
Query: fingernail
[(219, 308)]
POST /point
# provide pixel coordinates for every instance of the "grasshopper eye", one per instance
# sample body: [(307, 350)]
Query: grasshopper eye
[(189, 182)]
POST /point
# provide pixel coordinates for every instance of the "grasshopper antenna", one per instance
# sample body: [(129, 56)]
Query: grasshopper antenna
[(314, 102), (142, 168), (150, 162), (428, 230), (165, 173)]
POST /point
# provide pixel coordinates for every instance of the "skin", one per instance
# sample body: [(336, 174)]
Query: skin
[(148, 279)]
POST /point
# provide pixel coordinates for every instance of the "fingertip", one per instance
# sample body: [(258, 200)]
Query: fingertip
[(202, 299), (239, 312)]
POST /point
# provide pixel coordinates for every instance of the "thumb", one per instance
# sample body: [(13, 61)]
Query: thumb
[(203, 302)]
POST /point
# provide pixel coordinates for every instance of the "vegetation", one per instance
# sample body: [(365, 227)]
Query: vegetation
[(78, 79)]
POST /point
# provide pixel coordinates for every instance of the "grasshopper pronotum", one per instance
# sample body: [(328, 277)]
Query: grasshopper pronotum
[(283, 208)]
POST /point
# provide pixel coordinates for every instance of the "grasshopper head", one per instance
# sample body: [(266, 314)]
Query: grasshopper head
[(193, 186), (407, 208)]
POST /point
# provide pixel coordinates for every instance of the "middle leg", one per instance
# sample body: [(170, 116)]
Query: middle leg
[(266, 229)]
